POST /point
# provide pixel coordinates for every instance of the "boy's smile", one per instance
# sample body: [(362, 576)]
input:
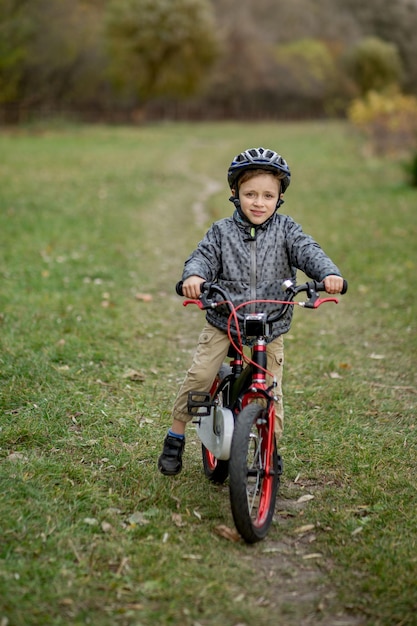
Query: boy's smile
[(258, 197)]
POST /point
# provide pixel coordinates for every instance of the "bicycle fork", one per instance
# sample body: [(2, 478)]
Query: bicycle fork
[(256, 391)]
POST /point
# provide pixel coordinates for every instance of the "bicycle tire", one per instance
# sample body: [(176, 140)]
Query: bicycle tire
[(252, 493), (216, 470)]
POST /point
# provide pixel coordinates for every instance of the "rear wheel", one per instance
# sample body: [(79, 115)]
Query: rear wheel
[(215, 470), (253, 490)]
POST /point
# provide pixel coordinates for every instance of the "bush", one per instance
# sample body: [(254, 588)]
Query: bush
[(388, 120), (374, 65)]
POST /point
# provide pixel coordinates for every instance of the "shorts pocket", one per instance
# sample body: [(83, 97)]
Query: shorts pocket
[(276, 353), (206, 335)]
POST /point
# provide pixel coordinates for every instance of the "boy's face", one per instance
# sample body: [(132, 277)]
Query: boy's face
[(258, 197)]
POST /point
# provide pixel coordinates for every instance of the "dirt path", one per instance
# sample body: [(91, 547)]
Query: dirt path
[(210, 187), (295, 576)]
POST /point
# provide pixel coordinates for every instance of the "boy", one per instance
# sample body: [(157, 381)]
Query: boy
[(250, 255)]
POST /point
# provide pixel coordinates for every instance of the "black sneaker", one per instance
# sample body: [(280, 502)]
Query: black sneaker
[(170, 461)]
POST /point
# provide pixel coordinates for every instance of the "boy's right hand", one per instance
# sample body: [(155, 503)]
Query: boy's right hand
[(191, 287)]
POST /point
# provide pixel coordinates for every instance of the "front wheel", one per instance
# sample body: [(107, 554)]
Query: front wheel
[(253, 489)]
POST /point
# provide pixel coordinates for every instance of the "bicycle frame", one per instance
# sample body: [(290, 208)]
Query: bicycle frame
[(241, 387)]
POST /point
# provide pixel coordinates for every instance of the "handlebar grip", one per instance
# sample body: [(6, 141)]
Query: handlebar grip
[(321, 287), (178, 287)]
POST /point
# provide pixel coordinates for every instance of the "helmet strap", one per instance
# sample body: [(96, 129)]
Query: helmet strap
[(235, 200)]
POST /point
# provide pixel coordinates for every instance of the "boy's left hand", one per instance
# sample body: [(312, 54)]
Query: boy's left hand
[(333, 284)]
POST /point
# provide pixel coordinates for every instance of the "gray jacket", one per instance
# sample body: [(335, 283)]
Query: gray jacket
[(252, 263)]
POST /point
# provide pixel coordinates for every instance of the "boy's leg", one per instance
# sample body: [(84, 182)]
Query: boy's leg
[(275, 364), (211, 351)]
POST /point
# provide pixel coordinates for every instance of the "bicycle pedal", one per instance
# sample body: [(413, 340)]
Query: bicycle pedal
[(280, 465), (199, 403)]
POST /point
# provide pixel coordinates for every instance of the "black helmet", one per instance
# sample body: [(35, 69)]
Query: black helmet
[(258, 158)]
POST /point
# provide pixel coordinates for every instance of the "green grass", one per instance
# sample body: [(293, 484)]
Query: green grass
[(90, 533)]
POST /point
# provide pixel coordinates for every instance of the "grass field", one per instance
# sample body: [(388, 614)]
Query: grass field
[(95, 224)]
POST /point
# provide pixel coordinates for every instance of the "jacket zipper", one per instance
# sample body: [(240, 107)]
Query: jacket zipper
[(253, 268)]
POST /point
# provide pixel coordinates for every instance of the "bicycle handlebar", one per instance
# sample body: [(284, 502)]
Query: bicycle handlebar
[(319, 286), (312, 288)]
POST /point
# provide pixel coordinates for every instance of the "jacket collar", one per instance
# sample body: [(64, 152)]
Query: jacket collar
[(247, 226)]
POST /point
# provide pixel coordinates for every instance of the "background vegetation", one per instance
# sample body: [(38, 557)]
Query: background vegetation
[(130, 59), (95, 224)]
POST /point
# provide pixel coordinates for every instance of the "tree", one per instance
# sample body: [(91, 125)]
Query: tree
[(308, 77), (393, 22), (160, 47), (50, 52), (374, 65), (242, 81), (15, 30)]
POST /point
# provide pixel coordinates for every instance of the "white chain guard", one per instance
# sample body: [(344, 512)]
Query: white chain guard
[(216, 431)]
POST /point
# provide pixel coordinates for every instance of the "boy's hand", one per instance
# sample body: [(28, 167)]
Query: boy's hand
[(333, 284), (191, 287)]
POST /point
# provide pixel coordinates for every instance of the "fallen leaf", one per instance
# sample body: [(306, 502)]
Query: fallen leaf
[(123, 564), (143, 421), (334, 375), (227, 533), (177, 519), (192, 557), (137, 518), (134, 375), (197, 514), (144, 297), (306, 498), (17, 456), (313, 555), (304, 529), (106, 527), (287, 514), (377, 357), (239, 598), (91, 521)]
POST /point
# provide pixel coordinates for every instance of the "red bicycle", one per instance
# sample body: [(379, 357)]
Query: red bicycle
[(235, 420)]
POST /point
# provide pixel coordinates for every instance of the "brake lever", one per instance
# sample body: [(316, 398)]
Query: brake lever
[(315, 301), (203, 302), (197, 302)]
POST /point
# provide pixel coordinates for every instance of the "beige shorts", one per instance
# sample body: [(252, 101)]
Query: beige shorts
[(211, 352)]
